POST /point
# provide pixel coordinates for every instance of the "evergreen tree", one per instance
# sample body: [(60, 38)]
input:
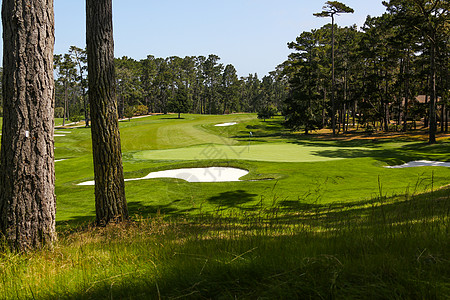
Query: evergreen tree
[(110, 202), (331, 9), (27, 172)]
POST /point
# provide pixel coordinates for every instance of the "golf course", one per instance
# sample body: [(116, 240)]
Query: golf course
[(223, 150), (294, 169), (312, 216)]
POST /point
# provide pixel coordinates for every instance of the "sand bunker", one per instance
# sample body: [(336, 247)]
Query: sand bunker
[(226, 124), (61, 133), (213, 174), (421, 163)]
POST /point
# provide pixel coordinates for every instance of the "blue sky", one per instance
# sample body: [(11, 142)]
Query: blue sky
[(250, 34)]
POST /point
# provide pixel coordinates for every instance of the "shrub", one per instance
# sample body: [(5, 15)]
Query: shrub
[(76, 118), (267, 112), (129, 111), (141, 110), (59, 112)]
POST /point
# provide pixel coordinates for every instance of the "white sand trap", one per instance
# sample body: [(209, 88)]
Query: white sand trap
[(58, 160), (63, 132), (213, 174), (421, 163), (59, 135), (226, 124)]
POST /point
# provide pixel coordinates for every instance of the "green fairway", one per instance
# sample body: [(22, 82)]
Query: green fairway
[(272, 152), (356, 222), (166, 132), (284, 168)]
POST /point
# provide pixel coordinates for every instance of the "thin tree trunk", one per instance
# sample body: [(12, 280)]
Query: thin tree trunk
[(446, 120), (110, 202), (443, 112), (426, 121), (323, 107), (333, 83), (432, 131), (387, 119), (27, 173), (85, 102), (405, 107), (66, 96)]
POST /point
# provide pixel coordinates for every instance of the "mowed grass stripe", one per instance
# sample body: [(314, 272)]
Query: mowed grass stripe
[(167, 132)]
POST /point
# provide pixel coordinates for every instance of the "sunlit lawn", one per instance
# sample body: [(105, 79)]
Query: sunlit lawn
[(315, 218), (284, 168)]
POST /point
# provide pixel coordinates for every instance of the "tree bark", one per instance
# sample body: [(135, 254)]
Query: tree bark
[(333, 82), (27, 176), (407, 92), (433, 125), (110, 202)]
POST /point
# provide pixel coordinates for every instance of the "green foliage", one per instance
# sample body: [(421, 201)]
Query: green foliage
[(130, 111), (267, 112), (76, 118), (141, 110), (181, 103), (379, 72), (59, 112), (210, 87), (332, 8)]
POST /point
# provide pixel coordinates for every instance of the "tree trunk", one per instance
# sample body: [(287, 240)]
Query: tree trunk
[(443, 112), (333, 82), (432, 131), (324, 107), (406, 103), (27, 176), (447, 116), (387, 119), (85, 102), (110, 202)]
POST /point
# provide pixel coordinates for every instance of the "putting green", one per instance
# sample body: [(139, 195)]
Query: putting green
[(261, 152)]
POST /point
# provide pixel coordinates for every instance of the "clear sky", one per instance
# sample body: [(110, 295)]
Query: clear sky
[(250, 34)]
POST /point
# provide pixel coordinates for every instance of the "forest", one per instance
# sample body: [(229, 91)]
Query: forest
[(195, 84)]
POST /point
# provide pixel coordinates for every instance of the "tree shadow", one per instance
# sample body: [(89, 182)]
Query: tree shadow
[(135, 208), (170, 209), (256, 259), (76, 223), (232, 199)]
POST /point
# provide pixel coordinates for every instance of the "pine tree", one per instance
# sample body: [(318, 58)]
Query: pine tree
[(110, 202), (27, 173)]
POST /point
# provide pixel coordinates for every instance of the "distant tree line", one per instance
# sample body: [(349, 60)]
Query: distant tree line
[(195, 84), (391, 74)]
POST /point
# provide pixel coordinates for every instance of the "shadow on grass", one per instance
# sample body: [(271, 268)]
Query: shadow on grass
[(171, 209), (374, 249), (395, 149), (232, 199), (76, 223), (135, 208)]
